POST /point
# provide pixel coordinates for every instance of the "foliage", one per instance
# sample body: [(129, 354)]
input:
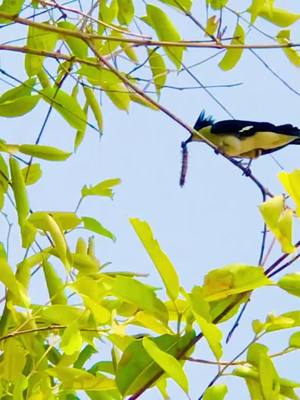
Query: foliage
[(48, 349)]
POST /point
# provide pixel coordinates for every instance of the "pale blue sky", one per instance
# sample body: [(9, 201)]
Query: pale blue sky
[(214, 219)]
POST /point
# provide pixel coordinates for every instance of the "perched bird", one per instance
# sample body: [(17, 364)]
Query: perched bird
[(242, 139)]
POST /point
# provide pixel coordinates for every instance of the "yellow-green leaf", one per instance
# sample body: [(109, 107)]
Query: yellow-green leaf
[(94, 105), (22, 90), (44, 152), (19, 189), (217, 4), (18, 107), (216, 392), (67, 106), (182, 5), (290, 283), (103, 188), (158, 69), (232, 56), (232, 279), (125, 11), (11, 7), (283, 37), (13, 361), (55, 284), (78, 379), (8, 278), (71, 341), (159, 258), (140, 295), (279, 16), (107, 13), (38, 39), (211, 25), (167, 362), (295, 340), (291, 183), (279, 220), (212, 334), (78, 47), (101, 314), (32, 174), (166, 31), (93, 225)]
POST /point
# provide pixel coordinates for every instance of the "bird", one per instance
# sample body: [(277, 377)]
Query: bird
[(239, 138)]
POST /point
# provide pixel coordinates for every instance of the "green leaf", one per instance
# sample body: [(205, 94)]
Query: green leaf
[(182, 5), (11, 7), (279, 220), (166, 31), (167, 362), (67, 106), (18, 106), (44, 152), (283, 37), (71, 340), (19, 189), (78, 47), (161, 261), (295, 340), (136, 368), (216, 392), (125, 11), (94, 105), (233, 279), (54, 284), (140, 295), (103, 188), (84, 356), (158, 69), (232, 56), (32, 174), (40, 40), (290, 283), (93, 225)]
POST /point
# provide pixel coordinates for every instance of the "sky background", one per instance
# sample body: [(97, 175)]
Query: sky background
[(214, 219)]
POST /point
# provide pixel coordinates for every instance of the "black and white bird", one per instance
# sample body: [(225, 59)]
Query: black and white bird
[(242, 139)]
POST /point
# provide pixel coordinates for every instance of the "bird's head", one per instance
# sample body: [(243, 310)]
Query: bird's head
[(203, 121)]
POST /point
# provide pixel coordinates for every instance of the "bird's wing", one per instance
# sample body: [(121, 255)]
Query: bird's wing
[(249, 128)]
